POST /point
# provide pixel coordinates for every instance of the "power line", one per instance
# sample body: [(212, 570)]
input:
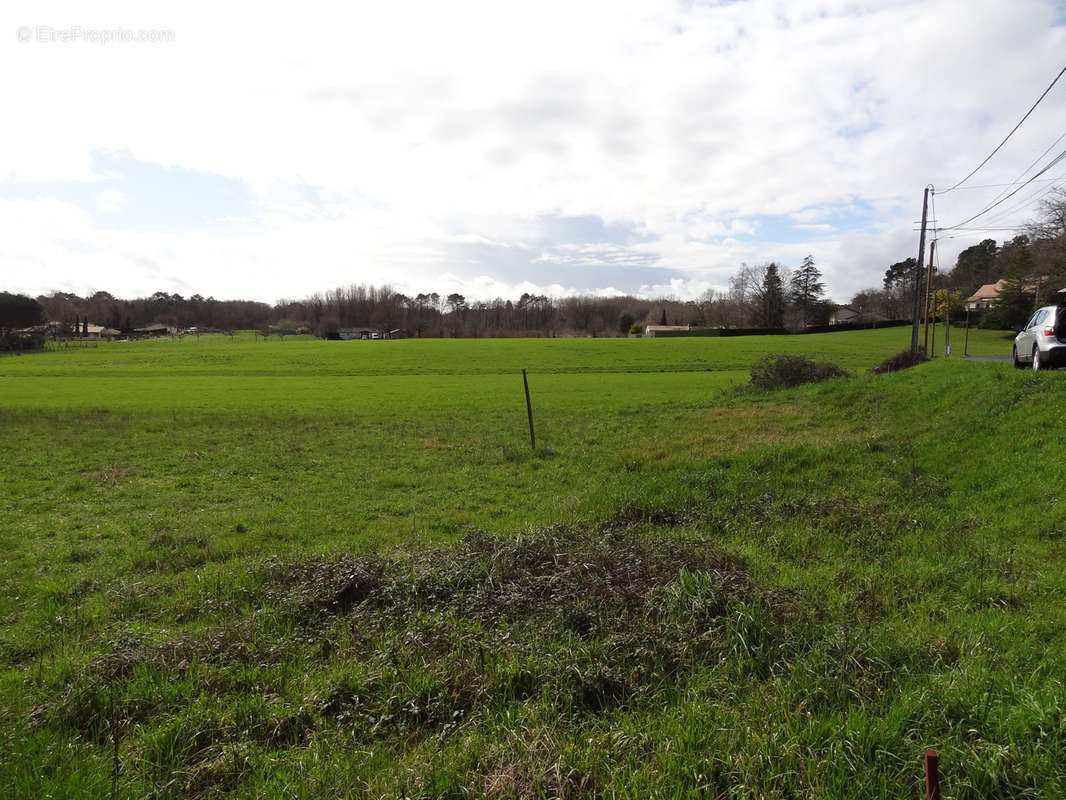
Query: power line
[(1032, 164), (979, 230), (1000, 185), (1006, 213), (1015, 128), (1027, 202), (1003, 199)]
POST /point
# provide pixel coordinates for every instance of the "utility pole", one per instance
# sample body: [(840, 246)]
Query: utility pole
[(928, 289), (918, 275)]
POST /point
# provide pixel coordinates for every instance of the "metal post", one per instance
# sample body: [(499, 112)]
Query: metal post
[(916, 311), (947, 324), (529, 412), (966, 341), (931, 352)]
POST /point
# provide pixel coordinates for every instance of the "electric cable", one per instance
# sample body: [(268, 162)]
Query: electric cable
[(1015, 128)]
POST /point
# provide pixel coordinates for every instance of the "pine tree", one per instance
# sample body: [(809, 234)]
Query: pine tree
[(772, 305), (807, 288), (1015, 302)]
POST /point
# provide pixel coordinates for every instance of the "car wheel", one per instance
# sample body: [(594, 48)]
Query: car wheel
[(1014, 357), (1036, 359)]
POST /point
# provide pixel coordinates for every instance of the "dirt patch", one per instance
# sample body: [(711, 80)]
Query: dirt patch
[(108, 474)]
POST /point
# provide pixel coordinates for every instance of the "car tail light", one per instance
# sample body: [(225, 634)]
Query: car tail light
[(1049, 331)]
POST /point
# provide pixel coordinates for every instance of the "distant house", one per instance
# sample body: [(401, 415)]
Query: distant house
[(842, 315), (984, 296), (846, 315), (154, 331), (359, 332), (371, 332), (64, 330), (99, 332), (651, 330)]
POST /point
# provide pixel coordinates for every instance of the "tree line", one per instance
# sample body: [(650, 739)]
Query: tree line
[(771, 295), (766, 296)]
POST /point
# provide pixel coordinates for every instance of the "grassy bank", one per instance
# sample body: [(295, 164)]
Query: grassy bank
[(256, 571)]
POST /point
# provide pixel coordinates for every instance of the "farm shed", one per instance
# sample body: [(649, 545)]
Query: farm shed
[(359, 332)]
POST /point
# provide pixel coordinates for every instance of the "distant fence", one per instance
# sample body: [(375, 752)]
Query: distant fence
[(844, 326)]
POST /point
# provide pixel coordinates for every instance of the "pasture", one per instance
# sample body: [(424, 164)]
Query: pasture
[(336, 569)]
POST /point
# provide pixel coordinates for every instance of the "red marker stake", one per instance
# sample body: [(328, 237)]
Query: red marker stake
[(932, 775)]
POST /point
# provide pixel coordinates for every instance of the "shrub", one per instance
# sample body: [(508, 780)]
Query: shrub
[(901, 360), (20, 342), (781, 372)]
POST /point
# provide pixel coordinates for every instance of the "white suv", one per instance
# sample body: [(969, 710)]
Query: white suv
[(1041, 344)]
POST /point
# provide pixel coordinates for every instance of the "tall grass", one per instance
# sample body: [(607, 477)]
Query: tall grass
[(216, 584)]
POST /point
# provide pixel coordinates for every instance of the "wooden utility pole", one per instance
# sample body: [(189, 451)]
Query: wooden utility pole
[(918, 275)]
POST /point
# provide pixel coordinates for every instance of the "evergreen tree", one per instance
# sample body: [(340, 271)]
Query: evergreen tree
[(18, 311), (900, 275), (975, 266), (807, 288), (772, 305), (1015, 302)]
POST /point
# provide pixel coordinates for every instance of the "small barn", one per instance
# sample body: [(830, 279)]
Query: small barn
[(359, 332)]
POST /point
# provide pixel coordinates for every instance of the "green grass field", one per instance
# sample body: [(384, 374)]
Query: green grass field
[(336, 569)]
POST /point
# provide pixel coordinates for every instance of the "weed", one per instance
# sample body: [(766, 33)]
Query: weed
[(904, 359)]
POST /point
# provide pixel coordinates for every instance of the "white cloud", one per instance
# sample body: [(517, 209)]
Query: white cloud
[(110, 201), (376, 139)]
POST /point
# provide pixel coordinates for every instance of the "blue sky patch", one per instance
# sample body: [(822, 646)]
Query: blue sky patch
[(139, 196)]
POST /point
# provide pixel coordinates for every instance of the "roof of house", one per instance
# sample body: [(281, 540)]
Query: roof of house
[(101, 330), (871, 316), (988, 291)]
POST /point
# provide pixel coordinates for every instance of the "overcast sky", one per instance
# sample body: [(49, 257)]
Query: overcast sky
[(501, 147)]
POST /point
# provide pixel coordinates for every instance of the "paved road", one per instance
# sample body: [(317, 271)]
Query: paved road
[(990, 359)]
